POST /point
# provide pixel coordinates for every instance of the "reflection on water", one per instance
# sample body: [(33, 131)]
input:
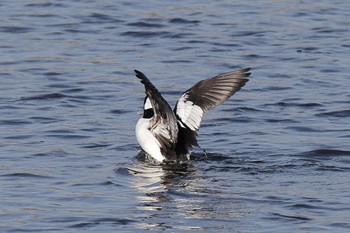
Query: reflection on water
[(157, 184), (170, 191), (157, 191)]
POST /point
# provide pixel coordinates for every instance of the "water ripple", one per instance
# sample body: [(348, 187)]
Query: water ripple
[(327, 152), (15, 29), (45, 96), (144, 34), (25, 175), (145, 25), (292, 217), (93, 223), (183, 21), (339, 113)]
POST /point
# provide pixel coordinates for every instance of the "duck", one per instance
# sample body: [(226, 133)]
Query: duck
[(167, 134)]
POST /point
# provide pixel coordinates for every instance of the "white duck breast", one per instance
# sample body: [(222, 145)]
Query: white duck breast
[(147, 140), (165, 134)]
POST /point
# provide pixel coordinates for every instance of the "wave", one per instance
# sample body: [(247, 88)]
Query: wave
[(340, 113), (327, 152)]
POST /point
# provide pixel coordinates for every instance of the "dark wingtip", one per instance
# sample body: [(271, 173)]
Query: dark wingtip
[(137, 72), (246, 72), (140, 75)]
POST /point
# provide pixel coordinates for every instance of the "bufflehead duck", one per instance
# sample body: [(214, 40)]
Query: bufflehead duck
[(168, 135)]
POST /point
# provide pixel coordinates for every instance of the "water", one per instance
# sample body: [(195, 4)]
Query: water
[(278, 153)]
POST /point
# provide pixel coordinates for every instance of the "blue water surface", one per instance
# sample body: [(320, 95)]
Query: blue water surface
[(274, 158)]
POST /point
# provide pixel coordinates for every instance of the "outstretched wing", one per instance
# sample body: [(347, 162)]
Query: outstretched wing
[(163, 123), (206, 95)]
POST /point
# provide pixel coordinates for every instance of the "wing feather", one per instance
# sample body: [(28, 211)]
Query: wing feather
[(164, 123), (206, 95)]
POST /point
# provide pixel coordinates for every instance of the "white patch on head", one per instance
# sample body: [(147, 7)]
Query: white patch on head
[(147, 104), (189, 113)]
